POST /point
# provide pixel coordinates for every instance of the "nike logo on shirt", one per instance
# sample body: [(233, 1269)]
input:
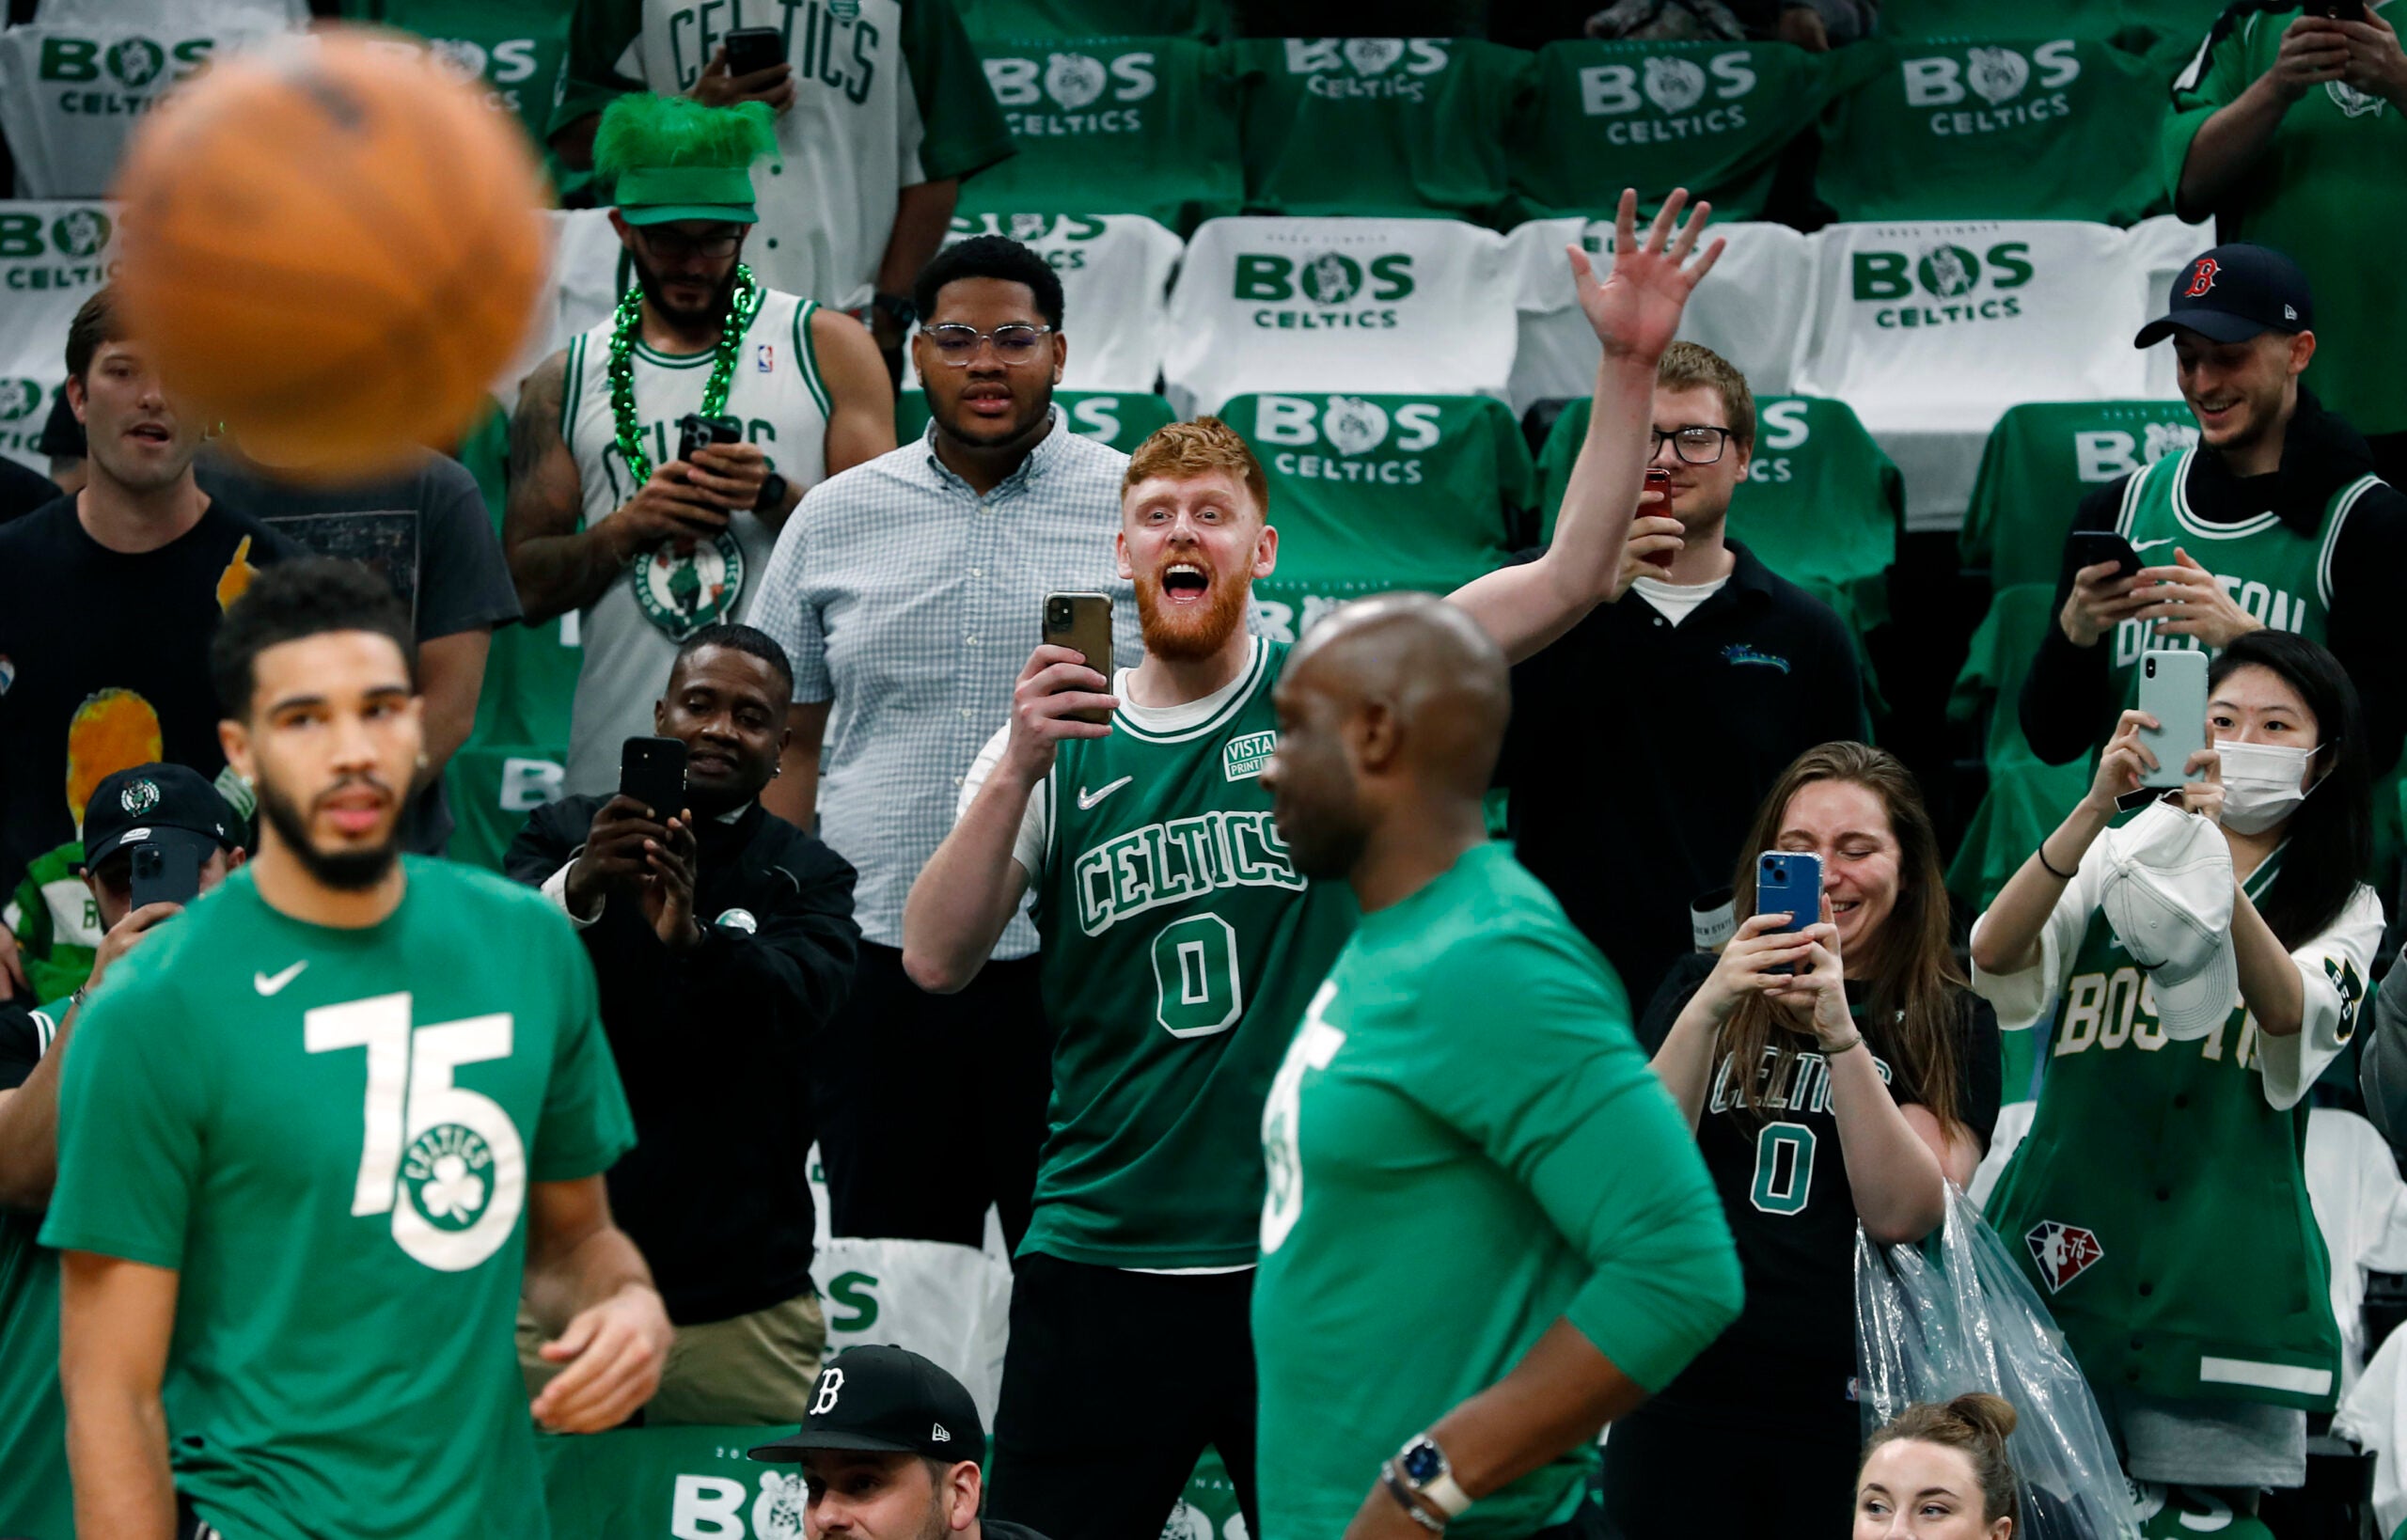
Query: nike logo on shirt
[(273, 983), (1088, 799)]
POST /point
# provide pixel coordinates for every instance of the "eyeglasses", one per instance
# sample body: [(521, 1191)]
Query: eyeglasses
[(669, 246), (1695, 446), (1014, 344)]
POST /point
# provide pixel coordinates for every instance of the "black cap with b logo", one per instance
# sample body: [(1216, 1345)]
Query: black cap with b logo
[(887, 1399), (2233, 292)]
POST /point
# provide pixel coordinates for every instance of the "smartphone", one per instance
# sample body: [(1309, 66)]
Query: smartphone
[(652, 771), (166, 874), (2088, 547), (695, 431), (753, 49), (2173, 689), (1082, 623), (1789, 882), (1660, 480), (2338, 10)]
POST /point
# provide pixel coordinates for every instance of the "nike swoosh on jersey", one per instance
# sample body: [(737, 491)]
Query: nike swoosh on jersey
[(1088, 799), (273, 983)]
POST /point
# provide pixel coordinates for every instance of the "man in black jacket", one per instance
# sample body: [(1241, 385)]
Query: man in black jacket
[(722, 938)]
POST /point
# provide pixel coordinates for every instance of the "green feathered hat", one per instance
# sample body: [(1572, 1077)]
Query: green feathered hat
[(672, 158)]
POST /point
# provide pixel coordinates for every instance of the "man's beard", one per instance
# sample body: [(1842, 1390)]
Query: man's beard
[(1180, 636), (345, 871), (713, 309)]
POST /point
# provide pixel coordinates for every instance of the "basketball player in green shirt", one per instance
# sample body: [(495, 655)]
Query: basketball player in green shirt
[(1180, 945), (313, 1135), (1487, 1233)]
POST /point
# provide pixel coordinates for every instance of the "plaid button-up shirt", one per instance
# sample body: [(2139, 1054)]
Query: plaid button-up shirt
[(912, 604)]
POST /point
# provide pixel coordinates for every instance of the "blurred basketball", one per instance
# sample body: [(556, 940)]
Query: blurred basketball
[(332, 247)]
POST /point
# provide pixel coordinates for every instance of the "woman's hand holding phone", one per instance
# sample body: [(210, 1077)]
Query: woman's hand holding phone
[(1762, 943), (1817, 990)]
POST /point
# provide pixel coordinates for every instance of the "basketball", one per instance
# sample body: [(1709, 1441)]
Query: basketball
[(333, 248)]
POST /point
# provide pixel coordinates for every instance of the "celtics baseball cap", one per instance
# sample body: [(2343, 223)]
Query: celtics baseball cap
[(888, 1399), (156, 804), (2167, 897), (2233, 292)]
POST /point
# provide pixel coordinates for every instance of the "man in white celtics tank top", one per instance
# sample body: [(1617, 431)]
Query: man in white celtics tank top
[(604, 516), (1180, 946), (2273, 518)]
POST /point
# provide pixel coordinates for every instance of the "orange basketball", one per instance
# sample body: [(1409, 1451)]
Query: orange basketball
[(332, 247)]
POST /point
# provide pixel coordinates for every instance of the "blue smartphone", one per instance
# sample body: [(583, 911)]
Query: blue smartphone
[(1789, 882)]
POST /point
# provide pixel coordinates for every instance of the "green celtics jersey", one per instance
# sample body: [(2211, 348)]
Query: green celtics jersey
[(2321, 192), (56, 921), (2279, 576), (2159, 1203), (1179, 948), (1466, 1143), (329, 1134), (37, 1502)]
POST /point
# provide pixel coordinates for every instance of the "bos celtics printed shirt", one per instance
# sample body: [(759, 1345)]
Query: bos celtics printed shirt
[(2158, 1205), (329, 1135)]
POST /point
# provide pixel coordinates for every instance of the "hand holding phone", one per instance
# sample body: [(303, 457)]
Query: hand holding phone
[(751, 49), (1082, 623), (2173, 689), (2094, 547), (1788, 882), (652, 771), (695, 433), (166, 874)]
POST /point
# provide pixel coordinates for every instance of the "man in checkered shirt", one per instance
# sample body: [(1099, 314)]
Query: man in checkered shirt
[(908, 590)]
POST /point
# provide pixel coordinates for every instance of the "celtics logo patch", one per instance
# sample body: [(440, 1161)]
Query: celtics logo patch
[(684, 585), (447, 1175), (2350, 987), (139, 798)]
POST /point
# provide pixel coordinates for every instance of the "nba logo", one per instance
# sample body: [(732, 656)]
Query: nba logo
[(764, 357)]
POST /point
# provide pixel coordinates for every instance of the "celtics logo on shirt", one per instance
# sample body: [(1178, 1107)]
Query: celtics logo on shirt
[(684, 585), (448, 1173)]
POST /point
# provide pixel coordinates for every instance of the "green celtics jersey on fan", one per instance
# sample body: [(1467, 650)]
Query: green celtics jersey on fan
[(1180, 946), (2158, 1205), (630, 634), (1464, 1143), (37, 1499), (2279, 576), (330, 1135)]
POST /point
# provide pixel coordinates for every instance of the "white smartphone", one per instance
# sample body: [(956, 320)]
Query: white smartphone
[(2173, 689)]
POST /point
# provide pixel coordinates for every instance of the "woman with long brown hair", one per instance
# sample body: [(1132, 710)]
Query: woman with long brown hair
[(1839, 1073)]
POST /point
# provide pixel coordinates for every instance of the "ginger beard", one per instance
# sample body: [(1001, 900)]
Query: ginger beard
[(1187, 611)]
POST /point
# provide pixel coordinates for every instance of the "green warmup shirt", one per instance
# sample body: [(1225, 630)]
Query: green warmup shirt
[(2158, 1205), (2281, 577), (1466, 1143), (2326, 192), (1179, 948), (36, 1500), (329, 1134)]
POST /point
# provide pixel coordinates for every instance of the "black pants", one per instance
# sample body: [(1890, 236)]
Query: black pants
[(1113, 1383), (931, 1106), (1794, 1477)]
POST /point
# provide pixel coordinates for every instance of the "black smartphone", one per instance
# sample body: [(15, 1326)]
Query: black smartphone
[(2088, 547), (652, 772), (2338, 10), (166, 874), (1082, 623), (695, 431), (753, 49)]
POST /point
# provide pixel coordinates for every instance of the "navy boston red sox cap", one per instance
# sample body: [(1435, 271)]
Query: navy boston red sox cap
[(887, 1399), (2233, 292)]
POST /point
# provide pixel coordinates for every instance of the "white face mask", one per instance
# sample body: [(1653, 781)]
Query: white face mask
[(2262, 784)]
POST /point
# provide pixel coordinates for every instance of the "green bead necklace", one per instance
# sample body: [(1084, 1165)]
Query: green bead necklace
[(745, 303)]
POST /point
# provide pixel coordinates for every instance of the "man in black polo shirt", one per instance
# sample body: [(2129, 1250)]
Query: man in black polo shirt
[(1642, 742)]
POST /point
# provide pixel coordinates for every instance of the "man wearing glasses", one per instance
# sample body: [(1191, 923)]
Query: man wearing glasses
[(907, 593), (1641, 744), (608, 514)]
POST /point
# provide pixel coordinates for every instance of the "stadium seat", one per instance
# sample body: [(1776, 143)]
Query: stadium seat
[(2039, 126), (2040, 461), (1419, 306), (1375, 126), (1931, 331), (1115, 270), (1375, 493), (1753, 310), (2026, 799), (152, 14), (518, 50), (52, 256), (1713, 117), (2361, 1206), (1206, 20), (2156, 249), (1113, 125), (1120, 419), (71, 93), (2092, 19), (1821, 505)]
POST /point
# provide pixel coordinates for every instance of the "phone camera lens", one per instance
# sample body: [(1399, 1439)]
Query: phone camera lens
[(2151, 667)]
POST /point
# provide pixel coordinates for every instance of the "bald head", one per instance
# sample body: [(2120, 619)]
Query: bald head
[(1393, 707)]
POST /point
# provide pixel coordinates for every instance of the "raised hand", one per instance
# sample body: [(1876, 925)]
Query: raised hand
[(1636, 309)]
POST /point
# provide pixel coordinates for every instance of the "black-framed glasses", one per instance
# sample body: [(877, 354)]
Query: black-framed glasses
[(1014, 344), (674, 246), (1696, 445)]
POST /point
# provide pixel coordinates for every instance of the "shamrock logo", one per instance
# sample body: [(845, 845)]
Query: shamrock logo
[(445, 1172), (1073, 79), (1997, 74)]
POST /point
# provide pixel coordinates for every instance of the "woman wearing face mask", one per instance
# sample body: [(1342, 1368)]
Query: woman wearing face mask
[(2159, 1203), (1848, 1090), (1939, 1473)]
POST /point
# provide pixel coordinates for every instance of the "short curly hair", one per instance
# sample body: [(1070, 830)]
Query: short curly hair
[(1184, 450), (306, 596), (997, 257)]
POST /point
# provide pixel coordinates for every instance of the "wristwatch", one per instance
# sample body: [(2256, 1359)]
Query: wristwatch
[(773, 493), (1423, 1467)]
